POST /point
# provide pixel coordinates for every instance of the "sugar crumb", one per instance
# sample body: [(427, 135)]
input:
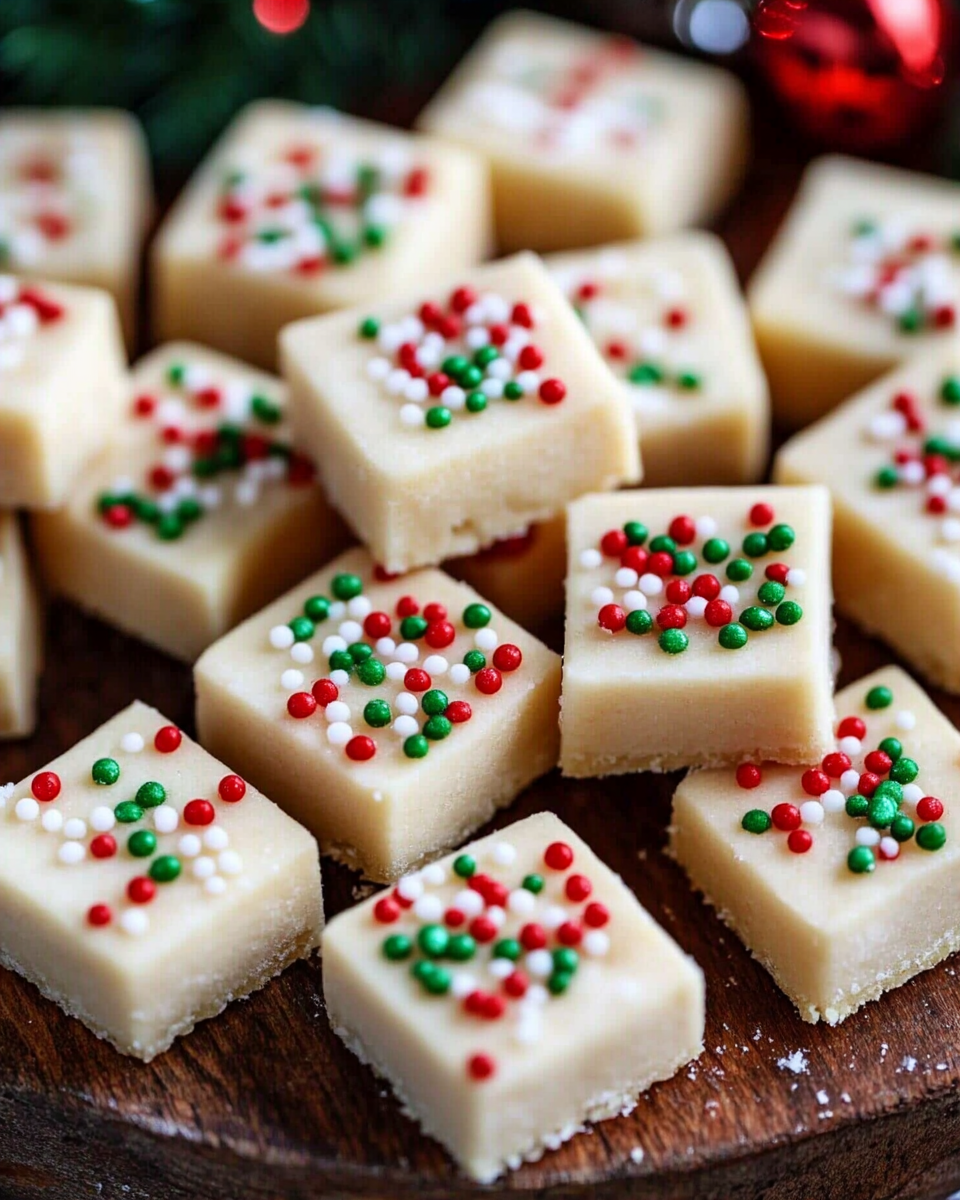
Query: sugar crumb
[(636, 1154), (795, 1062)]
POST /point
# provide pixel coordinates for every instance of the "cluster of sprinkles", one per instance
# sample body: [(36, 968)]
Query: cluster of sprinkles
[(655, 355), (205, 428), (312, 208), (457, 357), (46, 195), (365, 653), (577, 104), (924, 461), (880, 796), (24, 309), (665, 571), (909, 275), (122, 831), (500, 952)]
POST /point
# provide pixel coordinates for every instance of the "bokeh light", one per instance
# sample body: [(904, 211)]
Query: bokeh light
[(281, 16)]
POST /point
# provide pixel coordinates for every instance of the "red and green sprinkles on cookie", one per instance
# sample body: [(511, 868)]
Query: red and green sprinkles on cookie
[(118, 830), (879, 797), (373, 648), (664, 590), (207, 431), (527, 937), (307, 211), (458, 357)]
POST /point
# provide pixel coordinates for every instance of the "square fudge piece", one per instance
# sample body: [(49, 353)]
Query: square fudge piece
[(696, 601), (521, 959), (889, 457), (839, 878), (391, 716), (20, 634), (144, 886), (446, 421), (523, 575), (590, 137), (864, 273), (199, 512), (299, 211), (670, 320), (61, 384), (75, 199)]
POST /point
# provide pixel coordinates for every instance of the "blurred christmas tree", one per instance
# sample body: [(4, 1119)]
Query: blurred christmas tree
[(185, 66)]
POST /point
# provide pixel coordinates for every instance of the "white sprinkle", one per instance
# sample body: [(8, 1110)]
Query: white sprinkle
[(406, 726), (351, 631), (833, 801), (462, 984), (230, 862), (204, 867), (459, 673), (102, 819), (596, 943), (386, 646), (521, 902), (135, 922), (796, 577), (75, 829), (291, 680), (342, 678), (165, 818), (416, 390), (626, 577), (500, 968), (407, 652), (337, 610), (866, 836), (539, 963), (333, 643), (413, 416), (435, 664), (496, 915), (905, 719), (71, 853), (469, 902), (215, 886), (633, 600), (132, 743), (406, 703), (850, 746), (339, 733), (730, 594), (812, 812), (590, 559), (889, 847), (650, 584), (554, 916), (486, 639), (601, 596), (216, 838), (395, 671), (706, 527), (301, 653), (455, 398), (189, 845), (52, 820), (378, 368), (912, 792), (696, 606), (410, 887), (27, 809), (281, 637), (850, 780), (504, 854), (336, 710), (428, 908), (434, 874)]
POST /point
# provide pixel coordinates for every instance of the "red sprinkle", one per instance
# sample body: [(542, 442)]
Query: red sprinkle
[(377, 625), (416, 680), (636, 558), (786, 816), (672, 616), (488, 681), (748, 775), (569, 934), (815, 782), (168, 739), (507, 657), (718, 612), (778, 572), (800, 841), (103, 846), (868, 784), (835, 764), (929, 808), (578, 888), (707, 586), (361, 748), (141, 889), (516, 984), (482, 929), (552, 391), (660, 563), (439, 635), (614, 543), (199, 812), (878, 761), (386, 910), (558, 856), (852, 727), (683, 530), (99, 914), (407, 607), (325, 691), (678, 591), (231, 789), (533, 937), (596, 914), (458, 712), (480, 1067), (301, 705), (46, 786), (761, 514)]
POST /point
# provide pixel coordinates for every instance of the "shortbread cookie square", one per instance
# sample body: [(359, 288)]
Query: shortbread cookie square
[(144, 886), (455, 417), (592, 138), (864, 273), (839, 877), (669, 319), (521, 959), (61, 381), (698, 629), (75, 199), (523, 575), (201, 510), (392, 717), (20, 634), (302, 210), (889, 457)]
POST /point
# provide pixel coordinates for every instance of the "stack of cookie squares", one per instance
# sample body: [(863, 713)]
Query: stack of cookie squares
[(360, 474)]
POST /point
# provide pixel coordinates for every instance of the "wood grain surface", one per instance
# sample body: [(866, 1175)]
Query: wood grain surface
[(265, 1103)]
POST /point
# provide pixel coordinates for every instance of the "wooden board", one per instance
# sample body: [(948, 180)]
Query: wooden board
[(265, 1103)]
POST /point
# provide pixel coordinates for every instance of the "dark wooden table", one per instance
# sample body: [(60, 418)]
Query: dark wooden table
[(265, 1103)]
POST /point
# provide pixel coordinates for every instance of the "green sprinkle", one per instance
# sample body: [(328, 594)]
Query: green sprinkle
[(861, 860), (169, 527), (879, 697), (461, 947), (857, 805), (437, 981), (886, 478), (673, 641), (412, 628), (715, 550), (893, 748), (455, 365), (176, 373), (689, 381), (508, 948), (755, 545), (476, 402), (684, 562), (739, 570), (165, 869), (904, 770), (863, 227), (639, 621), (771, 592), (105, 771), (950, 390), (416, 746), (636, 532), (346, 587), (475, 616), (485, 355), (781, 537), (565, 958), (645, 373), (472, 377), (372, 672), (901, 828), (369, 327), (662, 544), (533, 883), (302, 629), (910, 320), (433, 940), (558, 982), (881, 810), (377, 714), (266, 410), (512, 390), (340, 660), (756, 821), (475, 660), (464, 865), (438, 417), (397, 947), (756, 618), (151, 794), (374, 235), (732, 636), (437, 728), (128, 812), (789, 613), (142, 843), (932, 836), (359, 651), (889, 789), (434, 702)]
